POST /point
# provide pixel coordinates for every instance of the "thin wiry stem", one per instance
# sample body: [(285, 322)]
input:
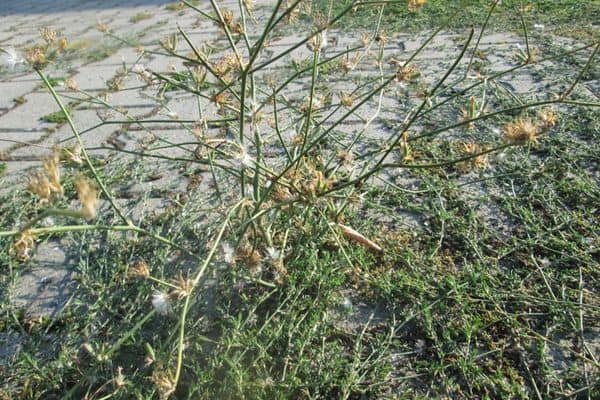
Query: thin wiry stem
[(303, 41), (483, 28), (587, 66), (227, 33), (195, 281), (412, 119), (84, 153), (524, 26)]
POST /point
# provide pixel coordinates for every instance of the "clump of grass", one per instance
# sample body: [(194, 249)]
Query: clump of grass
[(176, 6), (555, 16), (141, 16), (56, 81), (57, 117), (311, 295), (101, 53)]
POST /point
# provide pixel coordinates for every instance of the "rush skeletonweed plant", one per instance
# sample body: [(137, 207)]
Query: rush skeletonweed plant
[(290, 132)]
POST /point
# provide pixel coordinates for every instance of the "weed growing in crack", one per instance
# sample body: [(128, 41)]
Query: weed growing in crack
[(292, 139)]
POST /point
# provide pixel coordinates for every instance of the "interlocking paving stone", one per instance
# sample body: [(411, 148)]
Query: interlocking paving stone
[(12, 139), (79, 17), (94, 77), (165, 144), (27, 115), (84, 120), (12, 90), (45, 288)]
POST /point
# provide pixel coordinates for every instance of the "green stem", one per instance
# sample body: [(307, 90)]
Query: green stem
[(195, 281), (83, 150), (49, 212)]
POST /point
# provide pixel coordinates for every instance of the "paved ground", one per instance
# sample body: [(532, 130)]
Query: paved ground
[(104, 68), (96, 61)]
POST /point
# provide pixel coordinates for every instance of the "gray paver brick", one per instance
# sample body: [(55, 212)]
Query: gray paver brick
[(175, 137), (12, 90), (11, 139), (27, 116), (45, 288), (94, 77), (84, 120)]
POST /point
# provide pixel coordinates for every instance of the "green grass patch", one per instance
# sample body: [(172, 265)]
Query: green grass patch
[(57, 117), (459, 305), (557, 16), (141, 16), (56, 81)]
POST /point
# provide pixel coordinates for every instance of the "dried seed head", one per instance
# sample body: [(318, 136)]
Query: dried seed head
[(228, 17), (36, 57), (250, 256), (525, 8), (62, 44), (407, 154), (52, 169), (317, 102), (521, 131), (24, 245), (318, 42), (220, 99), (274, 258), (347, 65), (293, 15), (48, 34), (164, 381), (139, 268), (183, 288), (71, 84), (272, 254), (381, 38), (314, 180), (280, 192), (346, 99), (406, 72), (470, 112), (416, 4), (548, 117), (115, 84), (243, 159), (102, 27), (347, 159), (170, 43), (230, 22), (199, 73), (39, 185), (479, 161), (365, 39), (88, 197), (226, 64), (534, 54)]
